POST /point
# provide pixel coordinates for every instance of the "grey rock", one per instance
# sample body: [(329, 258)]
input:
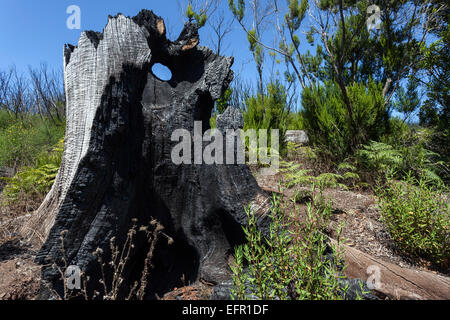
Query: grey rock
[(297, 136)]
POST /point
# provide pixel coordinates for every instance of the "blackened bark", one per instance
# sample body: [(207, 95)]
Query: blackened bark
[(117, 161)]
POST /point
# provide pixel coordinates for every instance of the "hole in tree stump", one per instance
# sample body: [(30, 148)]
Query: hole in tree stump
[(161, 72)]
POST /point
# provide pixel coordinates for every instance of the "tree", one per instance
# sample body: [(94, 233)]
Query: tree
[(198, 11), (19, 100), (436, 65), (5, 78), (347, 54), (220, 28), (48, 93)]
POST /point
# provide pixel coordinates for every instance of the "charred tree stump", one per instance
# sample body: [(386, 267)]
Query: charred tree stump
[(117, 160)]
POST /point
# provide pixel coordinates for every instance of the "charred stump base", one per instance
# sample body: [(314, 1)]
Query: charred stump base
[(117, 162)]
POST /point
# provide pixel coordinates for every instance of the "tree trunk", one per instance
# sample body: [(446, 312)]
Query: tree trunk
[(394, 281), (117, 160)]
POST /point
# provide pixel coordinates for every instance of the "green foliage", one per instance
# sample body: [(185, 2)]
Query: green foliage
[(296, 13), (239, 10), (268, 112), (6, 119), (379, 159), (221, 105), (417, 218), (436, 63), (22, 140), (326, 118), (294, 175), (200, 18), (224, 101), (289, 263), (35, 181), (295, 121), (408, 100)]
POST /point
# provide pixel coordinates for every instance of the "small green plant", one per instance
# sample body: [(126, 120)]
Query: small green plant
[(23, 140), (417, 217), (292, 262), (35, 181), (332, 129), (295, 175), (200, 17), (377, 159), (350, 175)]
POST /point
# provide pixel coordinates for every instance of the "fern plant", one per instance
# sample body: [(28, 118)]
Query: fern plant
[(295, 175), (378, 159), (35, 181)]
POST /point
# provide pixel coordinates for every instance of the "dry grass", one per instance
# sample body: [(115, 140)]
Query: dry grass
[(115, 265)]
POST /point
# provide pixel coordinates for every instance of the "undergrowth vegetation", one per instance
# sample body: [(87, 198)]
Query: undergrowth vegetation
[(32, 183), (22, 140), (32, 146), (418, 218), (359, 99), (295, 261), (115, 262)]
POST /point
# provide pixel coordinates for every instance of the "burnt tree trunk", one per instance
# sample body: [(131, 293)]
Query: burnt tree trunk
[(117, 160)]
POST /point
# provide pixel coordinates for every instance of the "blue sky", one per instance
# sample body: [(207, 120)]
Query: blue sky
[(34, 32)]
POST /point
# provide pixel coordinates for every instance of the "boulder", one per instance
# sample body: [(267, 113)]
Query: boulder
[(297, 137)]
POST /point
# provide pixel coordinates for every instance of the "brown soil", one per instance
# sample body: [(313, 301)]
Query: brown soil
[(198, 291), (19, 275), (358, 211), (360, 215), (19, 279)]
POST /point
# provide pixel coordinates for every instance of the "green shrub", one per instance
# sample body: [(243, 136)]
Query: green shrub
[(14, 145), (417, 218), (295, 121), (268, 112), (330, 127), (6, 119), (34, 182), (23, 140), (377, 159), (290, 263), (294, 175), (220, 106)]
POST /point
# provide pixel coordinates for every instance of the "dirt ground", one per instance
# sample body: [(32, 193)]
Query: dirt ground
[(360, 215), (358, 211)]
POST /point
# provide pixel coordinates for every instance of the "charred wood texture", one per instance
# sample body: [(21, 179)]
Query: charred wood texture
[(117, 160)]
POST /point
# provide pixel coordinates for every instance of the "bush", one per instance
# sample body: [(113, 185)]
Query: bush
[(34, 182), (417, 218), (295, 175), (22, 140), (377, 159), (329, 126), (292, 263), (295, 121), (268, 112)]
